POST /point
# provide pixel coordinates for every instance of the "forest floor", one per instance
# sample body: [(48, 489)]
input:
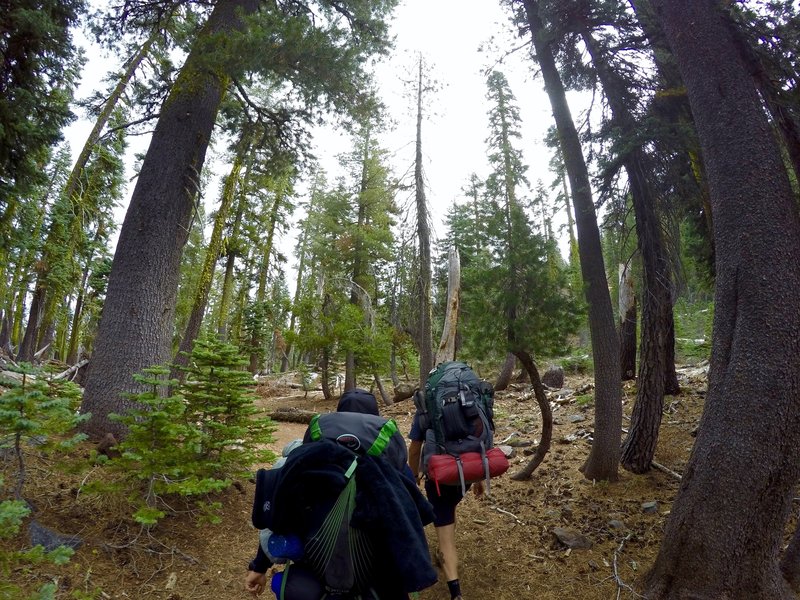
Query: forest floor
[(506, 544)]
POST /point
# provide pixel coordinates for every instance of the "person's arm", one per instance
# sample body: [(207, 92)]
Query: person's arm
[(415, 447), (255, 581), (261, 563)]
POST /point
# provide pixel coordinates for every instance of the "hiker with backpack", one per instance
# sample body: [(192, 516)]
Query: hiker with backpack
[(452, 447), (344, 512)]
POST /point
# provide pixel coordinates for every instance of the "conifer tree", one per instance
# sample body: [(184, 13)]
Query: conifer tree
[(713, 546), (69, 239), (37, 77), (352, 227), (334, 41), (603, 461), (318, 184), (23, 249), (218, 395)]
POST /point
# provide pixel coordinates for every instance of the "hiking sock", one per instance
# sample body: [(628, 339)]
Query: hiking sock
[(455, 588)]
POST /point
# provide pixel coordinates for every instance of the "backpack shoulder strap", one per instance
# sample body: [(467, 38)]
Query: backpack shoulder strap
[(384, 436), (314, 428)]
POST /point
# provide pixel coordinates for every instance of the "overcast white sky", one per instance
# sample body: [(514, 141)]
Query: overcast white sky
[(449, 34)]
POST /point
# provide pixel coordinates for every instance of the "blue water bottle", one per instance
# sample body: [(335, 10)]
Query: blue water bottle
[(296, 582), (285, 546), (275, 584)]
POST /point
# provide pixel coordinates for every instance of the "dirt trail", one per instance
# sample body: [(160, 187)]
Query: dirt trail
[(506, 544)]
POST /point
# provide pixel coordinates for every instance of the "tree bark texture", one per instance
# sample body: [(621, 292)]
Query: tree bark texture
[(603, 460), (786, 125), (627, 323), (725, 530), (137, 321)]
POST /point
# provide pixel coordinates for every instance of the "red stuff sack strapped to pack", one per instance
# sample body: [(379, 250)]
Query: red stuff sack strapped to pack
[(468, 467)]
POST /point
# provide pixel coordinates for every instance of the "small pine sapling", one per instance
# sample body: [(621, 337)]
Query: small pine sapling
[(160, 449), (220, 402), (37, 412)]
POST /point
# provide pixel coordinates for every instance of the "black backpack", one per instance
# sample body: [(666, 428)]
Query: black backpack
[(330, 494), (456, 414)]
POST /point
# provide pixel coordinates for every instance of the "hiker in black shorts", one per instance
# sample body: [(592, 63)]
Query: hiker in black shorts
[(444, 501)]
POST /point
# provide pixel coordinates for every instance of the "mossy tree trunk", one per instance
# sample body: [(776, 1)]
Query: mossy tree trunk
[(181, 358)]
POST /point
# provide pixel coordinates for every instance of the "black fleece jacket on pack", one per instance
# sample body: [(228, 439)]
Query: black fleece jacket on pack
[(388, 505)]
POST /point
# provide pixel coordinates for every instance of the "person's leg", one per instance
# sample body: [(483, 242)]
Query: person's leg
[(446, 534), (444, 501)]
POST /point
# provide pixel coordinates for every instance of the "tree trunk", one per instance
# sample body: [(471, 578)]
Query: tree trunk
[(547, 418), (603, 460), (5, 333), (627, 323), (232, 249), (71, 186), (136, 327), (77, 315), (357, 274), (784, 121), (387, 400), (671, 385), (671, 81), (75, 332), (33, 333), (425, 333), (181, 358), (726, 526), (27, 347), (447, 345), (506, 373), (301, 267), (325, 358), (639, 446), (256, 339)]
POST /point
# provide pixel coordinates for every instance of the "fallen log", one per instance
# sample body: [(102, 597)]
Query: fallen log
[(292, 415), (74, 368)]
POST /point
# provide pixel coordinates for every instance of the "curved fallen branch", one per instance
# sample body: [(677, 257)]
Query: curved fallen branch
[(547, 418)]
